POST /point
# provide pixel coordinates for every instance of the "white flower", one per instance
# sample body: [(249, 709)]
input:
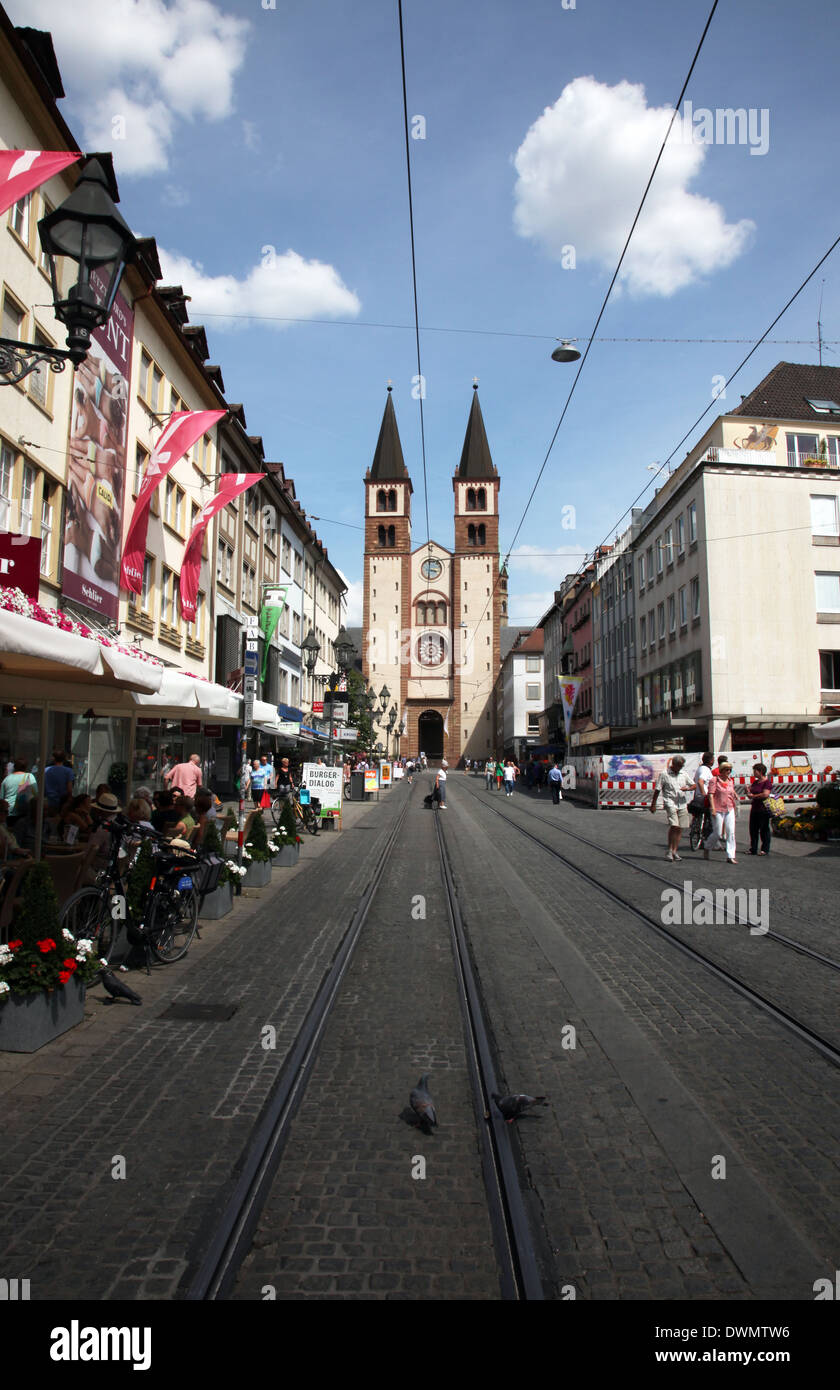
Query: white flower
[(4, 988), (102, 960), (85, 947), (68, 935)]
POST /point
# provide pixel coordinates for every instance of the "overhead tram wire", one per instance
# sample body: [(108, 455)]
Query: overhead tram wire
[(590, 556), (606, 300), (420, 379)]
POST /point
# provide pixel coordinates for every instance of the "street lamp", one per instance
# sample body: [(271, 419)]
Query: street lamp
[(565, 352), (87, 229), (384, 697), (345, 655), (311, 647), (392, 719)]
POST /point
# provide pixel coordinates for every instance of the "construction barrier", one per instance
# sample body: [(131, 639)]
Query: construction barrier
[(599, 782)]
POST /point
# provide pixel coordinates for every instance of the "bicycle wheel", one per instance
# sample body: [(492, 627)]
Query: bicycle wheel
[(694, 834), (310, 820), (276, 809), (87, 914), (172, 923)]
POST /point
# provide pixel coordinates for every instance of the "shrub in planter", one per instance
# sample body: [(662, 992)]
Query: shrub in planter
[(286, 833), (40, 956), (257, 848), (828, 797), (212, 843)]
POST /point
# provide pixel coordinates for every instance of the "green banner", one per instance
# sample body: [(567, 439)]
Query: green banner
[(274, 601)]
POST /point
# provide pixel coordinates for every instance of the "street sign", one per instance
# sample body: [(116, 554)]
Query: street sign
[(252, 644), (317, 707), (348, 735), (248, 716), (250, 688), (252, 662), (253, 629), (339, 713)]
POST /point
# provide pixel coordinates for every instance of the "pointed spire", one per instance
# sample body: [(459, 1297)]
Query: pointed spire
[(475, 455), (388, 461)]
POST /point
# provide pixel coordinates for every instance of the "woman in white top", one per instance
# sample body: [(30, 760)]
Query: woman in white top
[(440, 785), (510, 776)]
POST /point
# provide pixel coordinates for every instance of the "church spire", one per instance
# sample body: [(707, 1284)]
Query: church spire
[(475, 455), (388, 462)]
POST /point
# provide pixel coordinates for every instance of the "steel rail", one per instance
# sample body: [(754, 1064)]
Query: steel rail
[(519, 1275), (233, 1230), (806, 1034)]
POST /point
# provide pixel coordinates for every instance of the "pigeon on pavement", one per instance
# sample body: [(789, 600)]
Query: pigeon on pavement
[(118, 990), (423, 1105), (514, 1107)]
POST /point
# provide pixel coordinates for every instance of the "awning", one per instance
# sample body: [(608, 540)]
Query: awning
[(32, 648), (203, 699), (829, 731), (289, 712)]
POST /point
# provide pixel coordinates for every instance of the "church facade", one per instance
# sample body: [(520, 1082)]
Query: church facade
[(431, 615)]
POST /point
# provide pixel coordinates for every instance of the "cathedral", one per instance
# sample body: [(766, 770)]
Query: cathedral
[(431, 615)]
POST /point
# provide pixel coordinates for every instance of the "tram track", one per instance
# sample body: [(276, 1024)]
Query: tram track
[(228, 1236), (810, 1036)]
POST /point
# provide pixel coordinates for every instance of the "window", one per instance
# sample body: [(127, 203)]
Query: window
[(830, 670), (695, 598), (248, 584), (651, 626), (381, 501), (800, 447), (658, 547), (7, 473), (827, 587), (643, 633), (27, 499), (660, 613), (296, 629), (198, 622), (641, 572), (482, 500), (533, 723), (824, 516), (683, 593), (299, 564), (470, 499), (680, 534), (833, 442), (142, 601), (824, 407), (532, 691), (287, 557), (224, 564), (669, 545), (692, 522), (430, 649), (532, 663), (13, 317), (19, 218), (168, 601), (46, 527), (672, 614), (38, 382), (650, 564), (476, 535), (156, 387)]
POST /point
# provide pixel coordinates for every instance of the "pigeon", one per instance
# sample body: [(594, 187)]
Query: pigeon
[(408, 1117), (514, 1107), (423, 1105), (117, 989)]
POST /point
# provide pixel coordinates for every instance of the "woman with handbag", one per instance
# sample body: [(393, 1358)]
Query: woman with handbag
[(724, 805), (761, 795)]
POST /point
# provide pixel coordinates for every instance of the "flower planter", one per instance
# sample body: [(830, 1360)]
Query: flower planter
[(218, 903), (258, 875), (28, 1021), (287, 857)]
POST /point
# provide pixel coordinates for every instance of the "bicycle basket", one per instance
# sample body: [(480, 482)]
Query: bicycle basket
[(206, 875), (303, 796)]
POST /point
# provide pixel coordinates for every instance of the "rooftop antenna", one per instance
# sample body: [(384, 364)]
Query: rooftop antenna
[(819, 322)]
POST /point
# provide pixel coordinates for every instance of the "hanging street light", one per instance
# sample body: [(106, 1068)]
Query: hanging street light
[(88, 230), (565, 352), (311, 647)]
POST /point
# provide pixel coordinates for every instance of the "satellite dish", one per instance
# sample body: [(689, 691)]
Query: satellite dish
[(565, 352)]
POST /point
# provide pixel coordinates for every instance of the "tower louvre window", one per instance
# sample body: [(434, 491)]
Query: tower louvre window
[(381, 501)]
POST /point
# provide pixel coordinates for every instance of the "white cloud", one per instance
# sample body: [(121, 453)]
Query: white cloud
[(152, 61), (581, 170), (284, 285), (355, 601)]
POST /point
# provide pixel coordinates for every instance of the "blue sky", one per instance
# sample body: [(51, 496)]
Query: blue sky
[(264, 149)]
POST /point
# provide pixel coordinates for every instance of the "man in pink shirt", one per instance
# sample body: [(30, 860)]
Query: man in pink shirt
[(186, 776)]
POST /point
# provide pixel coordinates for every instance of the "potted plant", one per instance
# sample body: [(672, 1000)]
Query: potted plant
[(220, 902), (43, 970), (257, 856), (286, 839)]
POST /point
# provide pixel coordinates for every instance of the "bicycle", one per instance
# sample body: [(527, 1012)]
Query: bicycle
[(701, 826), (306, 813)]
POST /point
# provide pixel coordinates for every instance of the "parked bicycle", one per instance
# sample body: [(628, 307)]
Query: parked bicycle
[(307, 813), (701, 826)]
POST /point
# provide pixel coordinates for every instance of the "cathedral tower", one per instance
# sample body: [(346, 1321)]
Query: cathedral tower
[(387, 586)]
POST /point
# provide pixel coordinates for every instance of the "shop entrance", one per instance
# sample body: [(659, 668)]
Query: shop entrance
[(430, 733)]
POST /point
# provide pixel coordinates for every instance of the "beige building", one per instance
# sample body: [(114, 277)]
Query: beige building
[(432, 615), (738, 576)]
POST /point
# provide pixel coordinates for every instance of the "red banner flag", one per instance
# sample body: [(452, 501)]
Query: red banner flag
[(230, 486), (179, 435), (23, 170)]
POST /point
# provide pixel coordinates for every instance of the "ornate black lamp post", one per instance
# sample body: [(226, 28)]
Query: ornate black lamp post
[(311, 647), (86, 229), (345, 655)]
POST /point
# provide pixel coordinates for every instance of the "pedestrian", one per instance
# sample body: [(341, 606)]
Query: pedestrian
[(259, 774), (16, 783), (185, 776), (510, 773), (761, 789), (555, 782), (409, 771), (675, 786), (440, 785), (284, 778), (165, 814), (58, 781), (489, 773), (500, 774), (724, 805), (699, 806)]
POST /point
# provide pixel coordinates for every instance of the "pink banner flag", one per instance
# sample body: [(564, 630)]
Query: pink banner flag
[(230, 486), (23, 170), (179, 435), (569, 687)]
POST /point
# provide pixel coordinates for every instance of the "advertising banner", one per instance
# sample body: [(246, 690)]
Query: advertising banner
[(274, 601), (326, 783), (569, 687), (371, 780), (96, 464), (230, 486), (385, 774)]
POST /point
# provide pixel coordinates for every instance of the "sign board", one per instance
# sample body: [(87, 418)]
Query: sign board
[(398, 772), (317, 707), (148, 721), (212, 730), (339, 713), (252, 661), (190, 726), (248, 714), (371, 780), (251, 645), (250, 688), (253, 630), (326, 783), (385, 774), (287, 727), (348, 735), (20, 563)]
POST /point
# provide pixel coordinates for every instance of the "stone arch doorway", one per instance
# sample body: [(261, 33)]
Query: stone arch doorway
[(430, 733)]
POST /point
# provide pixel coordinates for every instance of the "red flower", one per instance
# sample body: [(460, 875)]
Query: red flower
[(13, 945), (46, 945), (64, 976), (69, 964)]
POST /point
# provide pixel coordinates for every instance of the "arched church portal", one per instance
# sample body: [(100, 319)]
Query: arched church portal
[(430, 730)]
